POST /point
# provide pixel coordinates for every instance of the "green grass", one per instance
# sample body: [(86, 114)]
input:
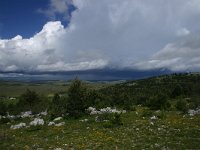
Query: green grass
[(175, 131), (15, 89)]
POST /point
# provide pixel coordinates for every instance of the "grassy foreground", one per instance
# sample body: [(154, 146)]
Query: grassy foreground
[(172, 131)]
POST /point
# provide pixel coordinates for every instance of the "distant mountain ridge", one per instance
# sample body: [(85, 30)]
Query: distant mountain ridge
[(90, 75)]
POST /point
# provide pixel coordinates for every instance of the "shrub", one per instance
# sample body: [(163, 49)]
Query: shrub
[(147, 113), (159, 102), (5, 120), (161, 114), (181, 105), (30, 100), (116, 119), (3, 108), (57, 106), (113, 120), (178, 91), (77, 98)]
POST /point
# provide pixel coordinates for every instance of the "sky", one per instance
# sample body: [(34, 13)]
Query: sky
[(79, 35)]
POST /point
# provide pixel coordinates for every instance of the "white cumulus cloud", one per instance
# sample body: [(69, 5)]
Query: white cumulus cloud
[(43, 52), (110, 33)]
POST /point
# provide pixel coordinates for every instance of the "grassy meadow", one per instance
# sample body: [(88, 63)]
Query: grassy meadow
[(173, 131), (157, 115)]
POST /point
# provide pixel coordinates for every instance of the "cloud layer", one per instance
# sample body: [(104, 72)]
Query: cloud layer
[(57, 7), (118, 34), (183, 55)]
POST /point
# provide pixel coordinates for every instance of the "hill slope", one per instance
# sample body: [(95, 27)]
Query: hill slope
[(171, 87)]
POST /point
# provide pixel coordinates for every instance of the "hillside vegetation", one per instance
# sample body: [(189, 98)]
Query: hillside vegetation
[(155, 113), (158, 92)]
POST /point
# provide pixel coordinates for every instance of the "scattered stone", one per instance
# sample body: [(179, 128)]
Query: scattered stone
[(58, 118), (107, 110), (98, 119), (58, 149), (192, 112), (18, 126), (26, 114), (151, 123), (60, 124), (10, 116), (84, 120), (37, 121), (51, 123), (44, 113), (105, 120), (153, 118)]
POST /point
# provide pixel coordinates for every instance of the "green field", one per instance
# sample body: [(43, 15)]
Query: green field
[(15, 89), (174, 131)]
